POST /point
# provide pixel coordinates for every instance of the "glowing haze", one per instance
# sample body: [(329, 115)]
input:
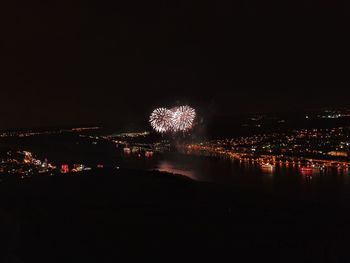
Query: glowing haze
[(177, 119)]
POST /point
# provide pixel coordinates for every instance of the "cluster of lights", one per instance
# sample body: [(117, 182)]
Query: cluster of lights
[(177, 119)]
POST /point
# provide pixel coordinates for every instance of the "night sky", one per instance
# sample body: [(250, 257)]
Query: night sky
[(111, 62)]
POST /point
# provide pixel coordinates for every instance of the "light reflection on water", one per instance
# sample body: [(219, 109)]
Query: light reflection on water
[(168, 167), (280, 180)]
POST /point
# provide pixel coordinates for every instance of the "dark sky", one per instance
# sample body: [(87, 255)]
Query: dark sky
[(70, 62)]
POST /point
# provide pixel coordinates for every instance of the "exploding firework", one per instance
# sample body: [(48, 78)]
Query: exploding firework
[(182, 118), (161, 120), (177, 119)]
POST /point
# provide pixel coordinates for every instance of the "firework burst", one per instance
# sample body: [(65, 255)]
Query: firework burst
[(183, 118), (161, 120), (177, 119)]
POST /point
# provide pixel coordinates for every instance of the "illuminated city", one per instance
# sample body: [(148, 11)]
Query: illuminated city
[(179, 130)]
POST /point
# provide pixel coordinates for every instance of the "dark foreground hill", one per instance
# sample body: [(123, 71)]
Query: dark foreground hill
[(113, 215)]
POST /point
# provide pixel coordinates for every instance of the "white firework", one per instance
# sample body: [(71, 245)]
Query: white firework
[(161, 120), (182, 118)]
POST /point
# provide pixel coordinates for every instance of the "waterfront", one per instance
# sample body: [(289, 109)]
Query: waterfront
[(214, 163), (139, 187), (282, 181)]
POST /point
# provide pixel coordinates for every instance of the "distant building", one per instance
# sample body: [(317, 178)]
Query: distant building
[(127, 150), (64, 168), (78, 168), (338, 154)]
